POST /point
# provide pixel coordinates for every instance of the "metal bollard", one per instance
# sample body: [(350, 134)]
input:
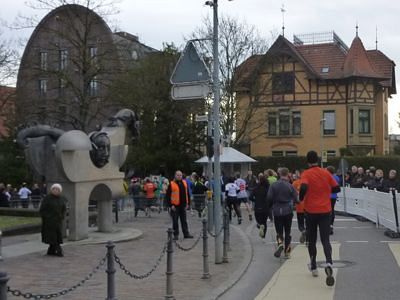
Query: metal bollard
[(3, 285), (110, 271), (1, 237), (226, 241), (206, 271), (169, 273), (210, 215)]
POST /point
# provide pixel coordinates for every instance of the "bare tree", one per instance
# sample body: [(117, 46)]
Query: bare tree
[(238, 41)]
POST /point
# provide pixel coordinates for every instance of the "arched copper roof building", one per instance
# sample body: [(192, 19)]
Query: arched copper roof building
[(68, 66)]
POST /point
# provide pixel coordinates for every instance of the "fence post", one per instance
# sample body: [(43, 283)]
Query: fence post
[(110, 271), (206, 271), (3, 285), (169, 273), (226, 241), (396, 216)]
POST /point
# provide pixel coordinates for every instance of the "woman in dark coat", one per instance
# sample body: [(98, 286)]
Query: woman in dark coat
[(52, 211), (262, 207)]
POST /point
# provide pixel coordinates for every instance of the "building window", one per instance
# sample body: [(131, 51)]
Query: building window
[(63, 56), (93, 87), (330, 122), (291, 153), (277, 153), (351, 121), (331, 153), (283, 83), (42, 87), (296, 123), (61, 86), (43, 61), (93, 54), (284, 123), (364, 121), (272, 124)]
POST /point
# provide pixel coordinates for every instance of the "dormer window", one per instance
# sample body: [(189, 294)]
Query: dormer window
[(325, 70)]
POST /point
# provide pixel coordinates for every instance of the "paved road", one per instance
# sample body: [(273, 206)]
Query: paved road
[(367, 267)]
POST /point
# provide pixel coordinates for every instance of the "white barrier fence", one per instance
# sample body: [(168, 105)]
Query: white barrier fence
[(375, 206)]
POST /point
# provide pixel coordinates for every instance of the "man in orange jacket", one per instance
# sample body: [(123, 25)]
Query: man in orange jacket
[(178, 199)]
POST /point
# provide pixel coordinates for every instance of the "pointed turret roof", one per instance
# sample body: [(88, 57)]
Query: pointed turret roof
[(357, 63)]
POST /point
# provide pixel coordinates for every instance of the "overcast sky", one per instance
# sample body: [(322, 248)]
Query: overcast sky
[(158, 21)]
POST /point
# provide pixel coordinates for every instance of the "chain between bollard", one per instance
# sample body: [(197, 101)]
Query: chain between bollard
[(18, 293), (180, 247), (218, 234), (143, 276)]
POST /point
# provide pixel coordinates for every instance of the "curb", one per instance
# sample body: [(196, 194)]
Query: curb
[(248, 254)]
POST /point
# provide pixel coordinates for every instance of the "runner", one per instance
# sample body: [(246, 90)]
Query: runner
[(283, 196), (243, 195), (316, 187), (301, 216), (261, 205), (231, 190)]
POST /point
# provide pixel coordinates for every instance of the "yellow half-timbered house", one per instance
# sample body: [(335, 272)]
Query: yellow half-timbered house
[(315, 93)]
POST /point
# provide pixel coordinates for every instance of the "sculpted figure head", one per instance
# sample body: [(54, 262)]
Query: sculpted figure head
[(100, 152)]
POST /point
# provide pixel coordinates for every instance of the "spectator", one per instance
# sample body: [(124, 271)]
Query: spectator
[(36, 195), (149, 188), (178, 199), (353, 173), (359, 180), (376, 182), (391, 183), (52, 210), (24, 194), (134, 191), (4, 202), (270, 175)]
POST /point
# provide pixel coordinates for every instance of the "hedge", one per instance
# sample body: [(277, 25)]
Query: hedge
[(385, 163)]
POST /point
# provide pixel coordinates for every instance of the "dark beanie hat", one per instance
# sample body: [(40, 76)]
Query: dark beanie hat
[(312, 157)]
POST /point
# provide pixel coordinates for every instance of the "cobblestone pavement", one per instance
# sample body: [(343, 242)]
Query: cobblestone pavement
[(41, 274)]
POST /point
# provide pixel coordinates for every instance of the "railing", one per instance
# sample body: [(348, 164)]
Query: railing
[(378, 207)]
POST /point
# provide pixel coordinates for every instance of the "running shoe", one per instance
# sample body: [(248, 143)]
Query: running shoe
[(314, 271), (250, 217), (262, 231), (302, 237), (239, 221), (287, 251), (330, 280), (278, 251), (331, 232)]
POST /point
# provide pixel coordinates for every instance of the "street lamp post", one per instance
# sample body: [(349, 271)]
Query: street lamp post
[(322, 122), (217, 137)]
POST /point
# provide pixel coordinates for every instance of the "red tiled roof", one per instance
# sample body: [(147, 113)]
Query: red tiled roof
[(357, 62), (328, 61), (243, 74), (321, 56)]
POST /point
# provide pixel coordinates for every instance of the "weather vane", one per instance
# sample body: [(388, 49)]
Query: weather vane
[(283, 10)]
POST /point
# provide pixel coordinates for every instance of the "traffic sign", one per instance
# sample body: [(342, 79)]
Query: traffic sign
[(190, 67), (201, 118), (190, 91)]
